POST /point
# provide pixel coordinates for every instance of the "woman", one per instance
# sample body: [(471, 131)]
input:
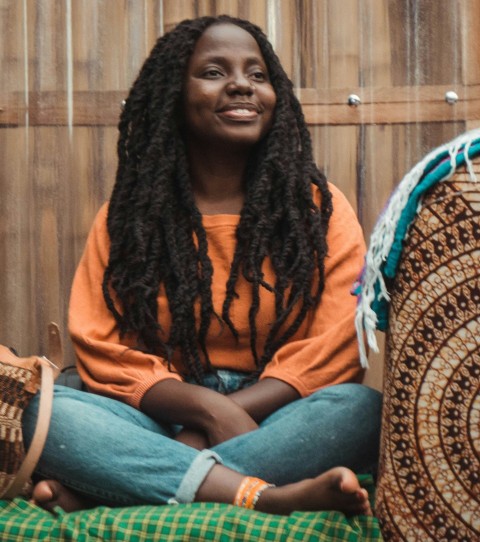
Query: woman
[(212, 301)]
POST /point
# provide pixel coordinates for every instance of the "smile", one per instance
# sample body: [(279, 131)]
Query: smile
[(239, 114), (239, 111)]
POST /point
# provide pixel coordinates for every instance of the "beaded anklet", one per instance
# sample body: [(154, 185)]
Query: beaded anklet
[(249, 492)]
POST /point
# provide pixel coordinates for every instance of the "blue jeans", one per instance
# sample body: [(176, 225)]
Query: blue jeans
[(119, 456)]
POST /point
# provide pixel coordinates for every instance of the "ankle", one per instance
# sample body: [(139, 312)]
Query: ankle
[(250, 491), (279, 500)]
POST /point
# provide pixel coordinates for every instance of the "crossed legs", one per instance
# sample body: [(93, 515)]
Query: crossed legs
[(111, 453)]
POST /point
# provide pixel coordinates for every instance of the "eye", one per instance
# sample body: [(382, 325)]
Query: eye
[(212, 73), (259, 75)]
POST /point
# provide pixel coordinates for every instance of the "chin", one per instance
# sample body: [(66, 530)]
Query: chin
[(250, 139)]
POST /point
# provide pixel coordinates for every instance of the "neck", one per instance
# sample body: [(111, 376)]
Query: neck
[(217, 180)]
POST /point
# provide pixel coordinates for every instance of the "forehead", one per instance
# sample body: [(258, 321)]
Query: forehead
[(224, 39)]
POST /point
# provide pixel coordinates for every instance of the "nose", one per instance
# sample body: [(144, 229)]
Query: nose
[(239, 84)]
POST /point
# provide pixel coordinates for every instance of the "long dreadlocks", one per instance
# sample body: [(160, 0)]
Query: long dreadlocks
[(155, 228)]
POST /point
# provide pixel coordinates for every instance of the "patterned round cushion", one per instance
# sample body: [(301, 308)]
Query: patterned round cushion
[(429, 478)]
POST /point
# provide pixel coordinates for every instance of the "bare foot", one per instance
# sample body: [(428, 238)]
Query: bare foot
[(336, 489), (49, 493)]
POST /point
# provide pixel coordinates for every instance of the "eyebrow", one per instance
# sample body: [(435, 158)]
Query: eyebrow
[(220, 59)]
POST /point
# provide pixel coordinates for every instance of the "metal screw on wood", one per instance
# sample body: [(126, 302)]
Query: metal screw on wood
[(451, 97), (354, 100)]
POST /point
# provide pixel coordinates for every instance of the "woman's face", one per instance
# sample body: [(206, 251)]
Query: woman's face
[(228, 97)]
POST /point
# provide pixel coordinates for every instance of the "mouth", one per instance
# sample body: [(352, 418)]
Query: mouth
[(239, 111)]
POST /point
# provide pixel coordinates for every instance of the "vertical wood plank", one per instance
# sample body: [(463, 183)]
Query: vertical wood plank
[(377, 146), (342, 71), (256, 12), (282, 35), (174, 12), (17, 328), (469, 14)]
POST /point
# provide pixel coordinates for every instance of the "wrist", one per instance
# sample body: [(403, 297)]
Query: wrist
[(214, 408), (264, 397)]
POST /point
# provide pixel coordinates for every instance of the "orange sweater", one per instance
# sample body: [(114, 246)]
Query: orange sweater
[(322, 352)]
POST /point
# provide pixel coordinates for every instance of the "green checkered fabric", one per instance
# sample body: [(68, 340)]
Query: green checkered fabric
[(21, 520)]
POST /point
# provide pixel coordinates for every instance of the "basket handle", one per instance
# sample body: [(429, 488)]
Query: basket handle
[(40, 435)]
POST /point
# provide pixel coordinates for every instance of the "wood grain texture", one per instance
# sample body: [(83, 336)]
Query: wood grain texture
[(66, 66)]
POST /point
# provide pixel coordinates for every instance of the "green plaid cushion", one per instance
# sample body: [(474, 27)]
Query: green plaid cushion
[(21, 520)]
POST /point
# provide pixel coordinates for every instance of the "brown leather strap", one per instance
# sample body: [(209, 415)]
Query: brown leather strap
[(41, 430)]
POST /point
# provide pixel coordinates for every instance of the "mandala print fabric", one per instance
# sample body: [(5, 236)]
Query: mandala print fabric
[(429, 481)]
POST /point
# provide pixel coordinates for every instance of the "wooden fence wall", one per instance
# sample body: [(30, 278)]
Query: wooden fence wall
[(66, 65)]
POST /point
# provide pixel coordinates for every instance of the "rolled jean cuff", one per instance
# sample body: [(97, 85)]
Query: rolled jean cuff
[(194, 477)]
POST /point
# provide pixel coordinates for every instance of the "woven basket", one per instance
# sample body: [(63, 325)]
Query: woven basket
[(429, 480)]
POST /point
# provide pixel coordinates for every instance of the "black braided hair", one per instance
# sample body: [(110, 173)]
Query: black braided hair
[(155, 228)]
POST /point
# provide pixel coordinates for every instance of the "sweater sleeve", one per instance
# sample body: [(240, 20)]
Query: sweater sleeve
[(328, 353), (109, 365)]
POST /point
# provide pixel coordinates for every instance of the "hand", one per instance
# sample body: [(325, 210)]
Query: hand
[(220, 431), (229, 422)]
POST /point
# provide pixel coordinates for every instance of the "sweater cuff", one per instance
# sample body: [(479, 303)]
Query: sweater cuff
[(144, 386), (288, 379)]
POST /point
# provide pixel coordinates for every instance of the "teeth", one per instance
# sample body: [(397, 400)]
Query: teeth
[(242, 111)]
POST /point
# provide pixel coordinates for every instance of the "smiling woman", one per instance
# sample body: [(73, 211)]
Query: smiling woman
[(211, 311)]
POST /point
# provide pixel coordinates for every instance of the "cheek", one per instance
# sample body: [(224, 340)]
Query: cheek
[(198, 97)]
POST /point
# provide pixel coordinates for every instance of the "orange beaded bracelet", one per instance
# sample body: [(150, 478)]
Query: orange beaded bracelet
[(249, 492)]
